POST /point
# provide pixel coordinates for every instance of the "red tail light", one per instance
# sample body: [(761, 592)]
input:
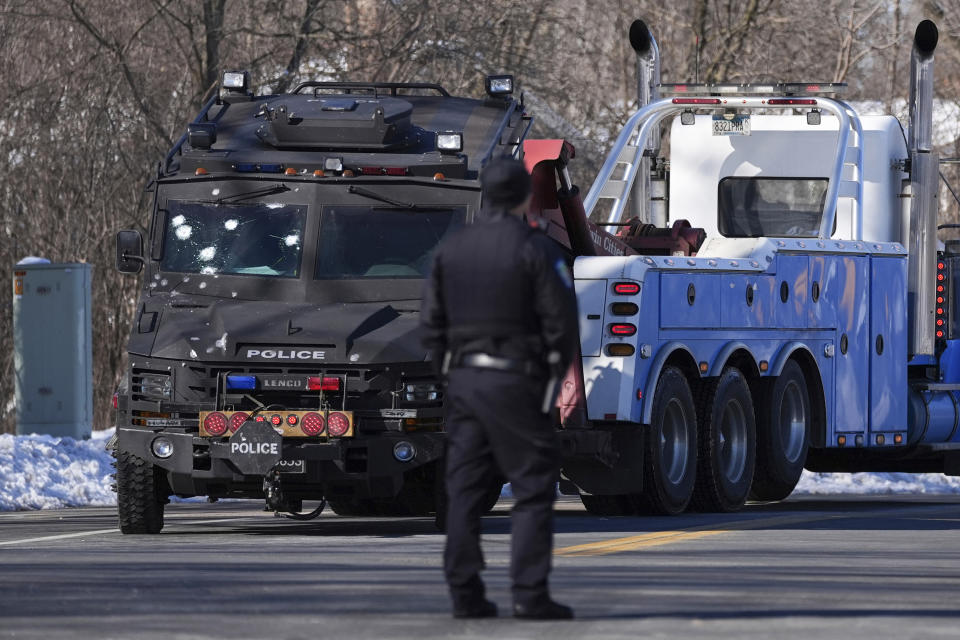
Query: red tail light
[(626, 288), (803, 101), (116, 402), (215, 424), (312, 424), (371, 171), (292, 419), (696, 101), (623, 329), (276, 420), (237, 420), (316, 383), (395, 171), (337, 424)]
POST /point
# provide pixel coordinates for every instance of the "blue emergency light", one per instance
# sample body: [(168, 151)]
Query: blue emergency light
[(246, 383)]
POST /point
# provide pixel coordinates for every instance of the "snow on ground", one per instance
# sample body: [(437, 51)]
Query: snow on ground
[(43, 472)]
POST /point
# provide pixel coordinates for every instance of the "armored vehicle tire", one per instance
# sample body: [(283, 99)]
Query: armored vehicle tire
[(670, 463), (728, 443), (607, 506), (783, 434), (141, 494)]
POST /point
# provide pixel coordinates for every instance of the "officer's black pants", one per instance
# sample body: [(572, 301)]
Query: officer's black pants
[(494, 423)]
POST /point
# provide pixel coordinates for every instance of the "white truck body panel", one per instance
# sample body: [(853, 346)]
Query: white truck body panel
[(786, 146)]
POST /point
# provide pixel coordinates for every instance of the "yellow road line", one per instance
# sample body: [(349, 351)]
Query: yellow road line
[(657, 538)]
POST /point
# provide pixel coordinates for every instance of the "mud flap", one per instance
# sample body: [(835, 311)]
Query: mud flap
[(604, 461)]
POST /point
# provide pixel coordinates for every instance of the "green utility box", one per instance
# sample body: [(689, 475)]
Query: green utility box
[(52, 349)]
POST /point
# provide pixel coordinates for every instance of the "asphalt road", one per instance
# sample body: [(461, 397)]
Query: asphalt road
[(832, 567)]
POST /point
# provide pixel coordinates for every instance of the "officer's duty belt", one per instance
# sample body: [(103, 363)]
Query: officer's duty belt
[(486, 361)]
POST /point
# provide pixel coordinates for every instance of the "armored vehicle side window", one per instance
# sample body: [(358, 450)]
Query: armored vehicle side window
[(756, 207), (252, 239), (381, 242)]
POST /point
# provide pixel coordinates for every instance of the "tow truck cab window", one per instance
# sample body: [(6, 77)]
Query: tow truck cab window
[(259, 239), (382, 242), (760, 206)]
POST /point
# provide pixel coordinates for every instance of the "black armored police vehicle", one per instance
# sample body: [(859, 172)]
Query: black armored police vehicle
[(274, 353)]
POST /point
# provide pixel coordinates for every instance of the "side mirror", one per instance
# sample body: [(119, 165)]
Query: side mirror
[(129, 252)]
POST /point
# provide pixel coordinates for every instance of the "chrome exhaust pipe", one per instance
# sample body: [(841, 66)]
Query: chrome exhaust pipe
[(924, 183), (648, 79)]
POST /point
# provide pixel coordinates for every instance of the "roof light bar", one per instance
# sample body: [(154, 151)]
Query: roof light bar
[(778, 88)]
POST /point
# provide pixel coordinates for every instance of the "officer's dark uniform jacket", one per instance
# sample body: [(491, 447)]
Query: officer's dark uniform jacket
[(501, 289)]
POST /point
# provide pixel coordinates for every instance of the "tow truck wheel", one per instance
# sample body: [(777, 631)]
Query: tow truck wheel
[(141, 494), (670, 464), (607, 506), (783, 434), (728, 443)]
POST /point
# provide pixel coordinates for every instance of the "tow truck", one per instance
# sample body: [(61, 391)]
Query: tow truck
[(812, 321)]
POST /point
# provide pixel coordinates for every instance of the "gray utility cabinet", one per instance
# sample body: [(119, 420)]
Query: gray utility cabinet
[(52, 349)]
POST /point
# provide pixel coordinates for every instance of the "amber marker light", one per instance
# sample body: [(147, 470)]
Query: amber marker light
[(290, 172), (200, 172), (439, 177), (318, 173)]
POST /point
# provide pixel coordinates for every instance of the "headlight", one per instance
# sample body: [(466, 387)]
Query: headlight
[(162, 447), (421, 392), (404, 451)]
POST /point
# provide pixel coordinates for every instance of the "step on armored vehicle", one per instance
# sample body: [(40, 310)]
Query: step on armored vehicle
[(275, 350)]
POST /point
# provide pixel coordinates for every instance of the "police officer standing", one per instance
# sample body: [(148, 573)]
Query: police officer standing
[(499, 312)]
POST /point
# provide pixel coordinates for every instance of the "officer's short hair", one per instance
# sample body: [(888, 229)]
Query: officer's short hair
[(505, 183)]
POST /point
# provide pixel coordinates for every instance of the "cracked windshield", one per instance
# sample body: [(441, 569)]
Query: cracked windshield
[(262, 239)]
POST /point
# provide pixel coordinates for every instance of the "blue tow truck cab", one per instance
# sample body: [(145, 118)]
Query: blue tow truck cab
[(810, 325)]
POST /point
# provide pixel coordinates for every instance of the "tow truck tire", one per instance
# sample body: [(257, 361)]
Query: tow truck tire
[(783, 434), (141, 494), (728, 443), (670, 463), (607, 506)]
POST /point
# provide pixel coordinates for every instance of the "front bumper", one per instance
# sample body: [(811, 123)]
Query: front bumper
[(363, 465)]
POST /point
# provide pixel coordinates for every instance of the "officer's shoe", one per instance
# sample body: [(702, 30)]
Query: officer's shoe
[(544, 610), (480, 609)]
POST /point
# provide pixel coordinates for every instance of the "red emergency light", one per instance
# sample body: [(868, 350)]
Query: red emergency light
[(316, 383), (792, 101), (696, 101)]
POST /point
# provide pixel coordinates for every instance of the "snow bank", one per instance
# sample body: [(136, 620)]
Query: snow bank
[(876, 483), (43, 472)]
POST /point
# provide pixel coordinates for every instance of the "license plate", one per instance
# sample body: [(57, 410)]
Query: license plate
[(292, 466), (737, 126)]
